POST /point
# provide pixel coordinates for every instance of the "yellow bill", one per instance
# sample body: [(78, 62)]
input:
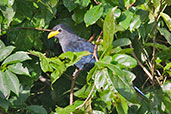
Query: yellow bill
[(52, 34)]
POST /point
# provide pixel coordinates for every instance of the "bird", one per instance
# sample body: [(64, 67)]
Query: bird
[(69, 41)]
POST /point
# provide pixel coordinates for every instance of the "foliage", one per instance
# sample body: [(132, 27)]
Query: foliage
[(35, 76)]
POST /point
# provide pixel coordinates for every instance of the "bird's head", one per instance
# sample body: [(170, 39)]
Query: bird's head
[(60, 31)]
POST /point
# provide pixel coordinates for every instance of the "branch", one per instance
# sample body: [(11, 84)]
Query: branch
[(29, 28), (75, 74), (79, 107), (141, 65), (96, 2), (95, 47), (91, 38), (154, 40)]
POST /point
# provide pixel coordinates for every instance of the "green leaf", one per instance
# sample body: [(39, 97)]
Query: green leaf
[(166, 34), (3, 85), (8, 13), (83, 3), (44, 61), (65, 110), (135, 23), (164, 54), (128, 3), (4, 52), (125, 19), (68, 55), (121, 105), (168, 66), (12, 82), (17, 57), (4, 104), (129, 76), (119, 80), (122, 85), (55, 75), (93, 14), (158, 46), (168, 2), (2, 44), (156, 3), (73, 57), (53, 3), (121, 42), (18, 69), (83, 92), (125, 60), (79, 55), (101, 81), (108, 30), (107, 97), (70, 4), (167, 19), (78, 15), (36, 109), (116, 70), (98, 112)]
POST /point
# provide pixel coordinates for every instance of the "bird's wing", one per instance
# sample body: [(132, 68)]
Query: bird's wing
[(80, 45)]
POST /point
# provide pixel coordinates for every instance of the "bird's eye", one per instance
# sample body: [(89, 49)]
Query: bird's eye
[(60, 30)]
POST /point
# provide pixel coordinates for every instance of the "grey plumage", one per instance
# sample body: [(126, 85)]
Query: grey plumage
[(71, 42)]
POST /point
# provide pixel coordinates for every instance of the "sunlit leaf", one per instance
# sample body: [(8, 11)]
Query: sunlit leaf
[(19, 56), (65, 110), (83, 92), (12, 82), (135, 23), (4, 52), (18, 69), (125, 60), (2, 44), (108, 30), (121, 42), (167, 19), (44, 61), (53, 3), (128, 3), (83, 3), (93, 14), (3, 84), (166, 34), (8, 13), (125, 19), (121, 105)]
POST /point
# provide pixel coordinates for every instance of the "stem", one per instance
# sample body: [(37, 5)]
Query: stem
[(79, 107), (154, 40)]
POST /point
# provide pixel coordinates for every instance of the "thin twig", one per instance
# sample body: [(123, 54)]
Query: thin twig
[(96, 2), (141, 65), (75, 74), (95, 47), (80, 106), (91, 38), (154, 40), (30, 28), (42, 79), (145, 83)]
